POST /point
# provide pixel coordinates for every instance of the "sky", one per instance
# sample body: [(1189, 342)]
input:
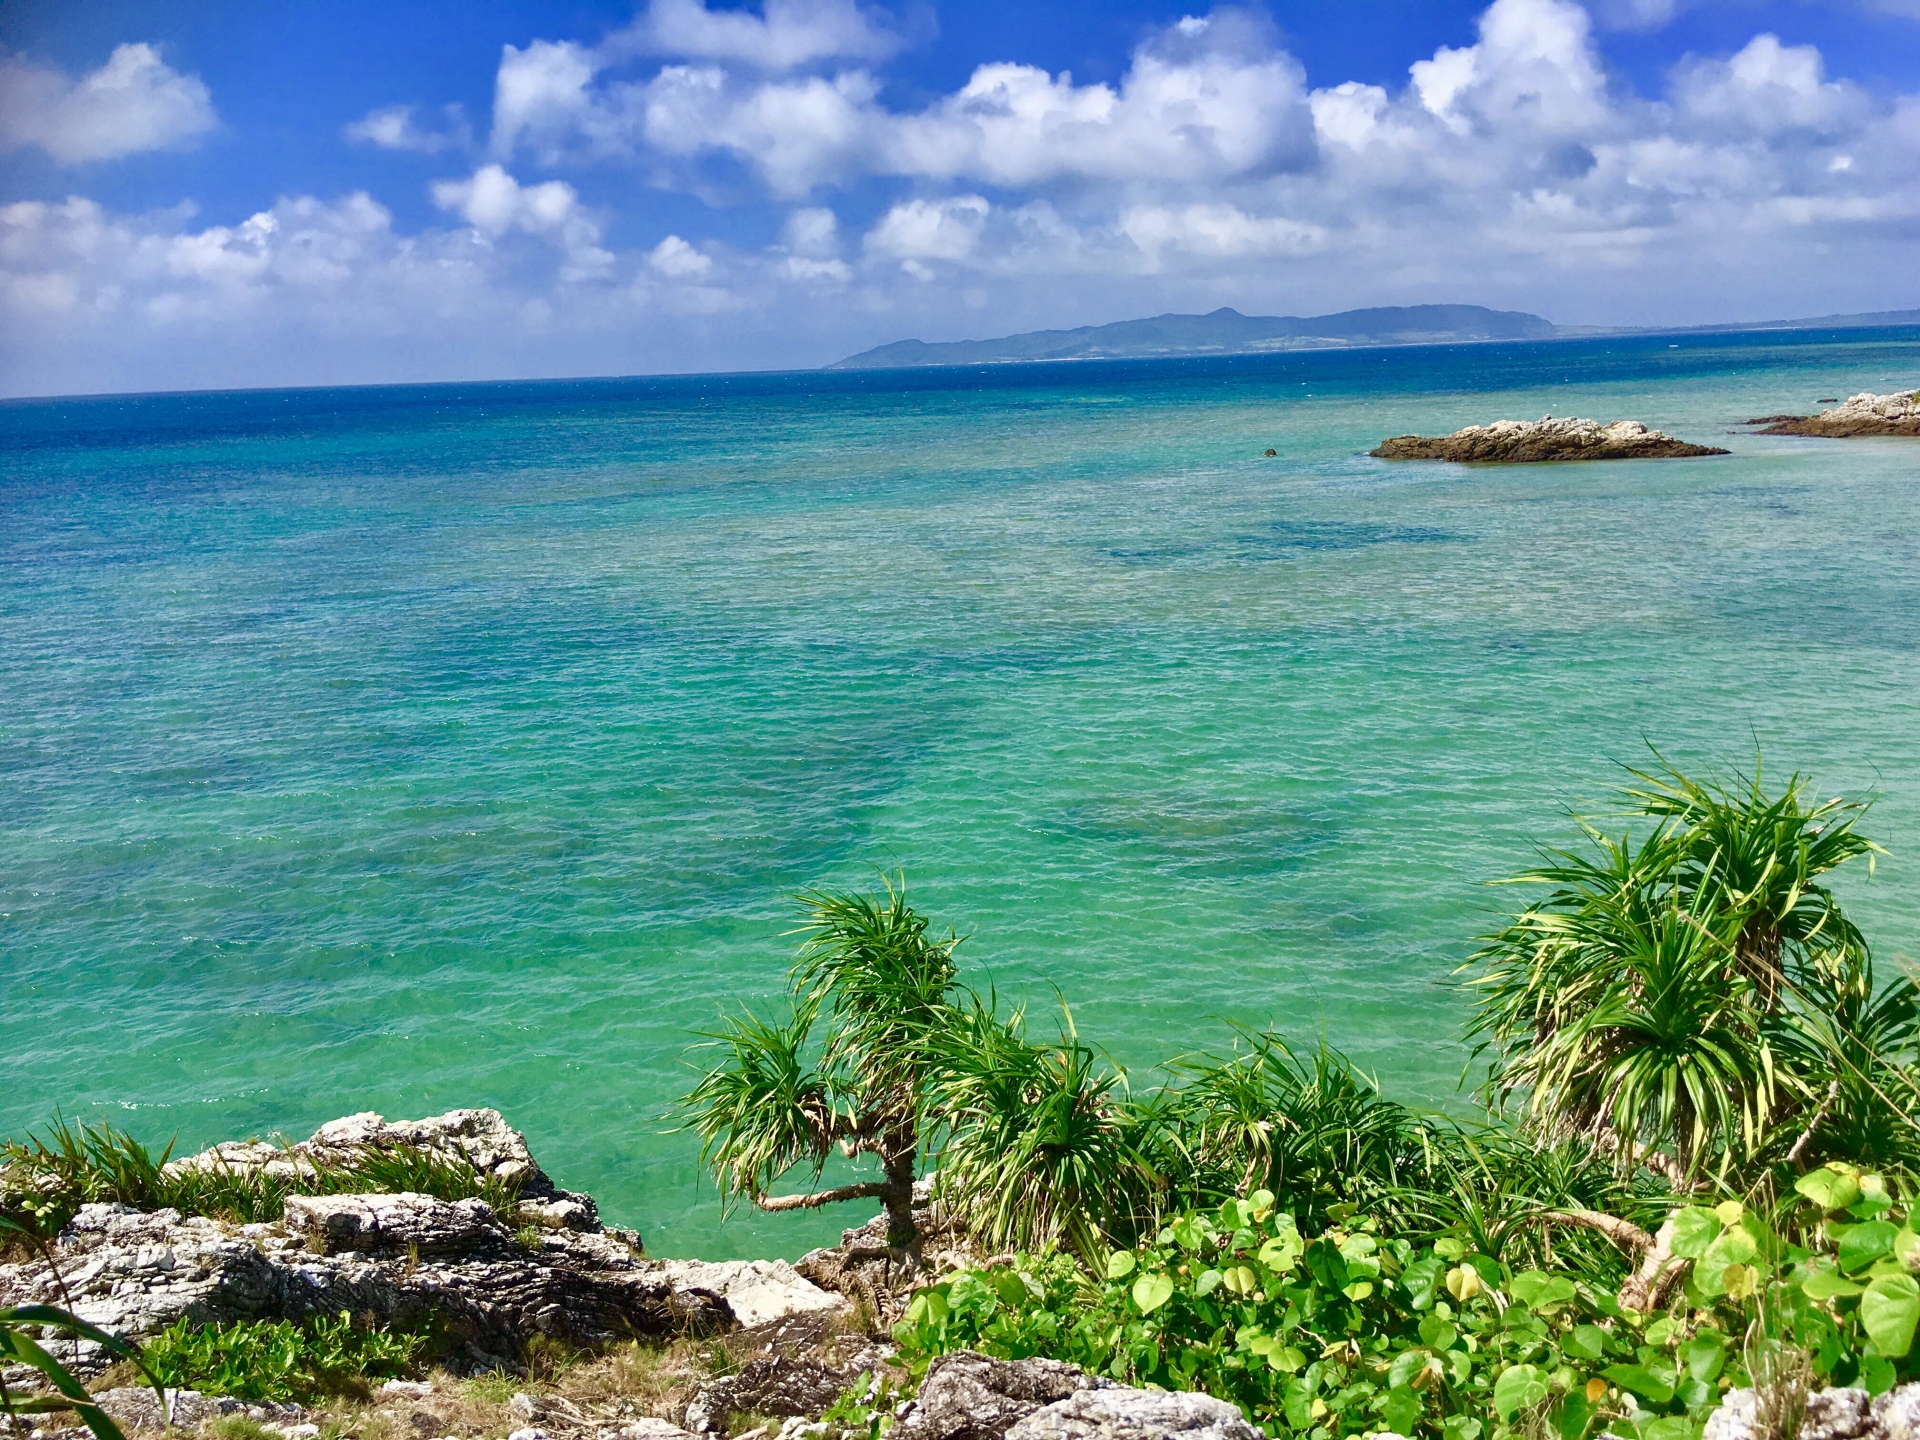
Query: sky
[(198, 194)]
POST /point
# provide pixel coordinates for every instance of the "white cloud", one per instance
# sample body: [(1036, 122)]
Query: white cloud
[(790, 34), (1220, 232), (677, 260), (813, 231), (1205, 99), (133, 103), (1534, 65), (495, 204), (919, 230), (1768, 88), (392, 128), (1510, 167)]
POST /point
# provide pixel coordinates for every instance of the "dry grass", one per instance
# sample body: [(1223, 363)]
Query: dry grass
[(579, 1394)]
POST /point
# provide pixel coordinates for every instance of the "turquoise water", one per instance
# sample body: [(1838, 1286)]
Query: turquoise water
[(409, 748)]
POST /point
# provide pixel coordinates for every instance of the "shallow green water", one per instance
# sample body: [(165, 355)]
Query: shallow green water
[(406, 749)]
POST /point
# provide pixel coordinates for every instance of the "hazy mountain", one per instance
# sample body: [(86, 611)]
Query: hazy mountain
[(1224, 332)]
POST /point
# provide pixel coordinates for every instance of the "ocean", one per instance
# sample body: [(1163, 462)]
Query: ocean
[(409, 748)]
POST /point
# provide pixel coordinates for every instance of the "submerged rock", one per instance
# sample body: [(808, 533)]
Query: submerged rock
[(1526, 442), (1862, 414)]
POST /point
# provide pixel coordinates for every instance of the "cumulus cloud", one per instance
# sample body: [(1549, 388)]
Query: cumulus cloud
[(790, 33), (133, 103), (1510, 166), (392, 127), (1768, 88), (1217, 232), (495, 205), (675, 258), (1207, 98), (919, 230)]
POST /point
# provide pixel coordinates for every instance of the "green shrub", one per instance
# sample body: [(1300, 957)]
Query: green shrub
[(44, 1181), (1355, 1330), (278, 1360)]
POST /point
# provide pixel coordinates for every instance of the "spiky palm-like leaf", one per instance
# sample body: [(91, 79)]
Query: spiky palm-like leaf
[(1313, 1129), (1652, 997), (1039, 1146), (764, 1109), (1670, 1051)]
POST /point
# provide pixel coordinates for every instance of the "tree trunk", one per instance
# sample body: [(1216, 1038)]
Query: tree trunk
[(903, 1237)]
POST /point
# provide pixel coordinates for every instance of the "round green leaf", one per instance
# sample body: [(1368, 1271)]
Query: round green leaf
[(1011, 1289), (1585, 1342), (1889, 1311), (1406, 1365), (1828, 1285), (1832, 1187), (1120, 1264), (1734, 1247), (1150, 1292), (1865, 1243), (1641, 1382), (1694, 1229), (1540, 1291), (1518, 1387)]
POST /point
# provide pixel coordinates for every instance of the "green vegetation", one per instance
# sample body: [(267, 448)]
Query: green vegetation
[(1357, 1330), (1685, 1029), (43, 1181), (885, 988), (1697, 998), (278, 1360), (22, 1328)]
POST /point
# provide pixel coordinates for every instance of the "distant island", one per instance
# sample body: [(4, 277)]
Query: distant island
[(1224, 332), (1227, 332)]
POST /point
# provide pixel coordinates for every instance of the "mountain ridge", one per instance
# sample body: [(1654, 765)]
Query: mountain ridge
[(1227, 332), (1221, 332)]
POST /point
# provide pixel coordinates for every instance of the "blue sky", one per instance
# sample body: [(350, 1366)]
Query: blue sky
[(197, 194)]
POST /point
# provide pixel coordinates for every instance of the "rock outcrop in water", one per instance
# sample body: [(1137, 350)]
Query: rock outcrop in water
[(1528, 442), (1862, 414)]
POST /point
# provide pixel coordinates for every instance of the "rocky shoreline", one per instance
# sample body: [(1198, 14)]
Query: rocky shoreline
[(1530, 442), (766, 1349), (1862, 414)]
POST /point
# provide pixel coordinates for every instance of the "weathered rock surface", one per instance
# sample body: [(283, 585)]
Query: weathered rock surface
[(773, 1384), (1842, 1413), (1526, 442), (863, 1270), (1124, 1414), (387, 1224), (482, 1138), (768, 1297), (139, 1408), (967, 1396), (1862, 414), (401, 1260)]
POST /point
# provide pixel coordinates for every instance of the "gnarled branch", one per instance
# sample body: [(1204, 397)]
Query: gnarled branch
[(865, 1190), (1645, 1290)]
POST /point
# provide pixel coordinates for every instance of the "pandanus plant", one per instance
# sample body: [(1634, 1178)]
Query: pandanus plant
[(883, 1055), (846, 1069), (1696, 999)]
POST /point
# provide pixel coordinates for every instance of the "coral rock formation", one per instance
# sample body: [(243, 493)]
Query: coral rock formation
[(1527, 442)]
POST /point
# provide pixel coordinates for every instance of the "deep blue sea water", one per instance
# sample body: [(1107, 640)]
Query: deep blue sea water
[(413, 747)]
